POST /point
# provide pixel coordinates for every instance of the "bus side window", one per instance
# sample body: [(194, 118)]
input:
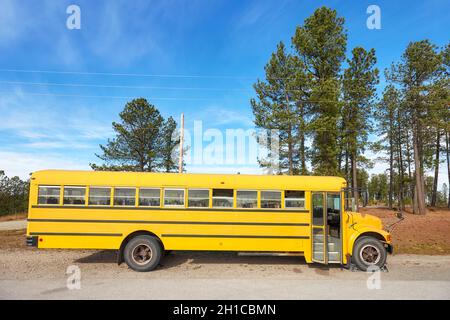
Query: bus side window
[(174, 197), (198, 198), (246, 199), (222, 198), (99, 196), (149, 197), (48, 195), (294, 199), (74, 195), (271, 199), (124, 196)]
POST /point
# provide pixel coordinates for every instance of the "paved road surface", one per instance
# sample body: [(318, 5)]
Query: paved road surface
[(32, 274)]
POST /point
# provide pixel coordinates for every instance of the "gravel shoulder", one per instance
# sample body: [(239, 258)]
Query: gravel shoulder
[(13, 225)]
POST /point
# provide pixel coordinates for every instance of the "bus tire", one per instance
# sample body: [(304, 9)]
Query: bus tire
[(143, 253), (369, 252)]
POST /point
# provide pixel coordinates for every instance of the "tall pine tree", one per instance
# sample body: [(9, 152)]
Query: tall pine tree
[(416, 73), (142, 140), (321, 43), (360, 79), (276, 108)]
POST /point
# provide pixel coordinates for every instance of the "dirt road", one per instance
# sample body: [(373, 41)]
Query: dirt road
[(27, 273)]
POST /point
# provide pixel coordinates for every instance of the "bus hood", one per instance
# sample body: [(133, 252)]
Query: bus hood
[(359, 220)]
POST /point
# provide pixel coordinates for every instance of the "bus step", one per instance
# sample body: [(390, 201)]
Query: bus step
[(318, 255), (318, 246), (318, 237), (334, 256)]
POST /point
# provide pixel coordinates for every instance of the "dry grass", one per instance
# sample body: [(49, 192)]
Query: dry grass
[(13, 239), (418, 234), (12, 217)]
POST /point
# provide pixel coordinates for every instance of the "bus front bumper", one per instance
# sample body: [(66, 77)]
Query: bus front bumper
[(389, 248), (32, 241)]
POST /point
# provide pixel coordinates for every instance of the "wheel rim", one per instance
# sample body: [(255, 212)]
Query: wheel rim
[(141, 254), (370, 254)]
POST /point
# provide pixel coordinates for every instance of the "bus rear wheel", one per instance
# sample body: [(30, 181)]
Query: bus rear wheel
[(143, 253), (369, 252)]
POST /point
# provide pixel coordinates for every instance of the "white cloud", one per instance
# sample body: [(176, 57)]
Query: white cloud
[(225, 169), (259, 11), (121, 41), (217, 116), (23, 163), (13, 24), (49, 118)]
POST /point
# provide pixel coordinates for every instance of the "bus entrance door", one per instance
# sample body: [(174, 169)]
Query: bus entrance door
[(326, 227), (318, 228)]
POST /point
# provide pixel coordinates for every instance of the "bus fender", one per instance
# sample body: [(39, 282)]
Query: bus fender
[(367, 231)]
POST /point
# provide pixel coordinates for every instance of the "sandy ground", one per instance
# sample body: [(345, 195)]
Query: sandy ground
[(41, 274)]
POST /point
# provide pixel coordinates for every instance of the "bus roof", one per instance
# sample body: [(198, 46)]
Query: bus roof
[(189, 180)]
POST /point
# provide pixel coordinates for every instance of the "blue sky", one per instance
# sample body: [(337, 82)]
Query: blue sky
[(194, 56)]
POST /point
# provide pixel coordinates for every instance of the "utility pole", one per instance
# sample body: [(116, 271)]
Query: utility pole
[(180, 164)]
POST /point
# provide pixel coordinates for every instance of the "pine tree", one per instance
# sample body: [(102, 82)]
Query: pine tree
[(415, 74), (276, 108), (169, 144), (446, 107), (14, 194), (386, 114), (321, 43), (138, 141), (359, 82)]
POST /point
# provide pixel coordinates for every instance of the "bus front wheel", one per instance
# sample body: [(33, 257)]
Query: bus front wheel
[(143, 253), (369, 252)]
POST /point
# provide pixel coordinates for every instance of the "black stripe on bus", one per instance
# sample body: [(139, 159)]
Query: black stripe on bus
[(170, 209), (75, 234), (174, 222), (230, 236)]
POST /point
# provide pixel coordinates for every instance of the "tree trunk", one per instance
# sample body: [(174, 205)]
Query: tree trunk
[(419, 195), (290, 146), (447, 151), (303, 170), (436, 169), (391, 169), (401, 173), (290, 152), (401, 170), (355, 180), (302, 154), (347, 176), (410, 174)]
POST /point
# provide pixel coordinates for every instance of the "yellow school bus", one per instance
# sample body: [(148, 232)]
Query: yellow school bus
[(144, 214)]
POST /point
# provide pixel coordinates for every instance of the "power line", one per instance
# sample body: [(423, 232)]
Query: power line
[(149, 75), (127, 74), (103, 96), (65, 84), (150, 98), (120, 86)]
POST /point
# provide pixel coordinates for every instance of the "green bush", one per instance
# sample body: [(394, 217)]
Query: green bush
[(13, 195)]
